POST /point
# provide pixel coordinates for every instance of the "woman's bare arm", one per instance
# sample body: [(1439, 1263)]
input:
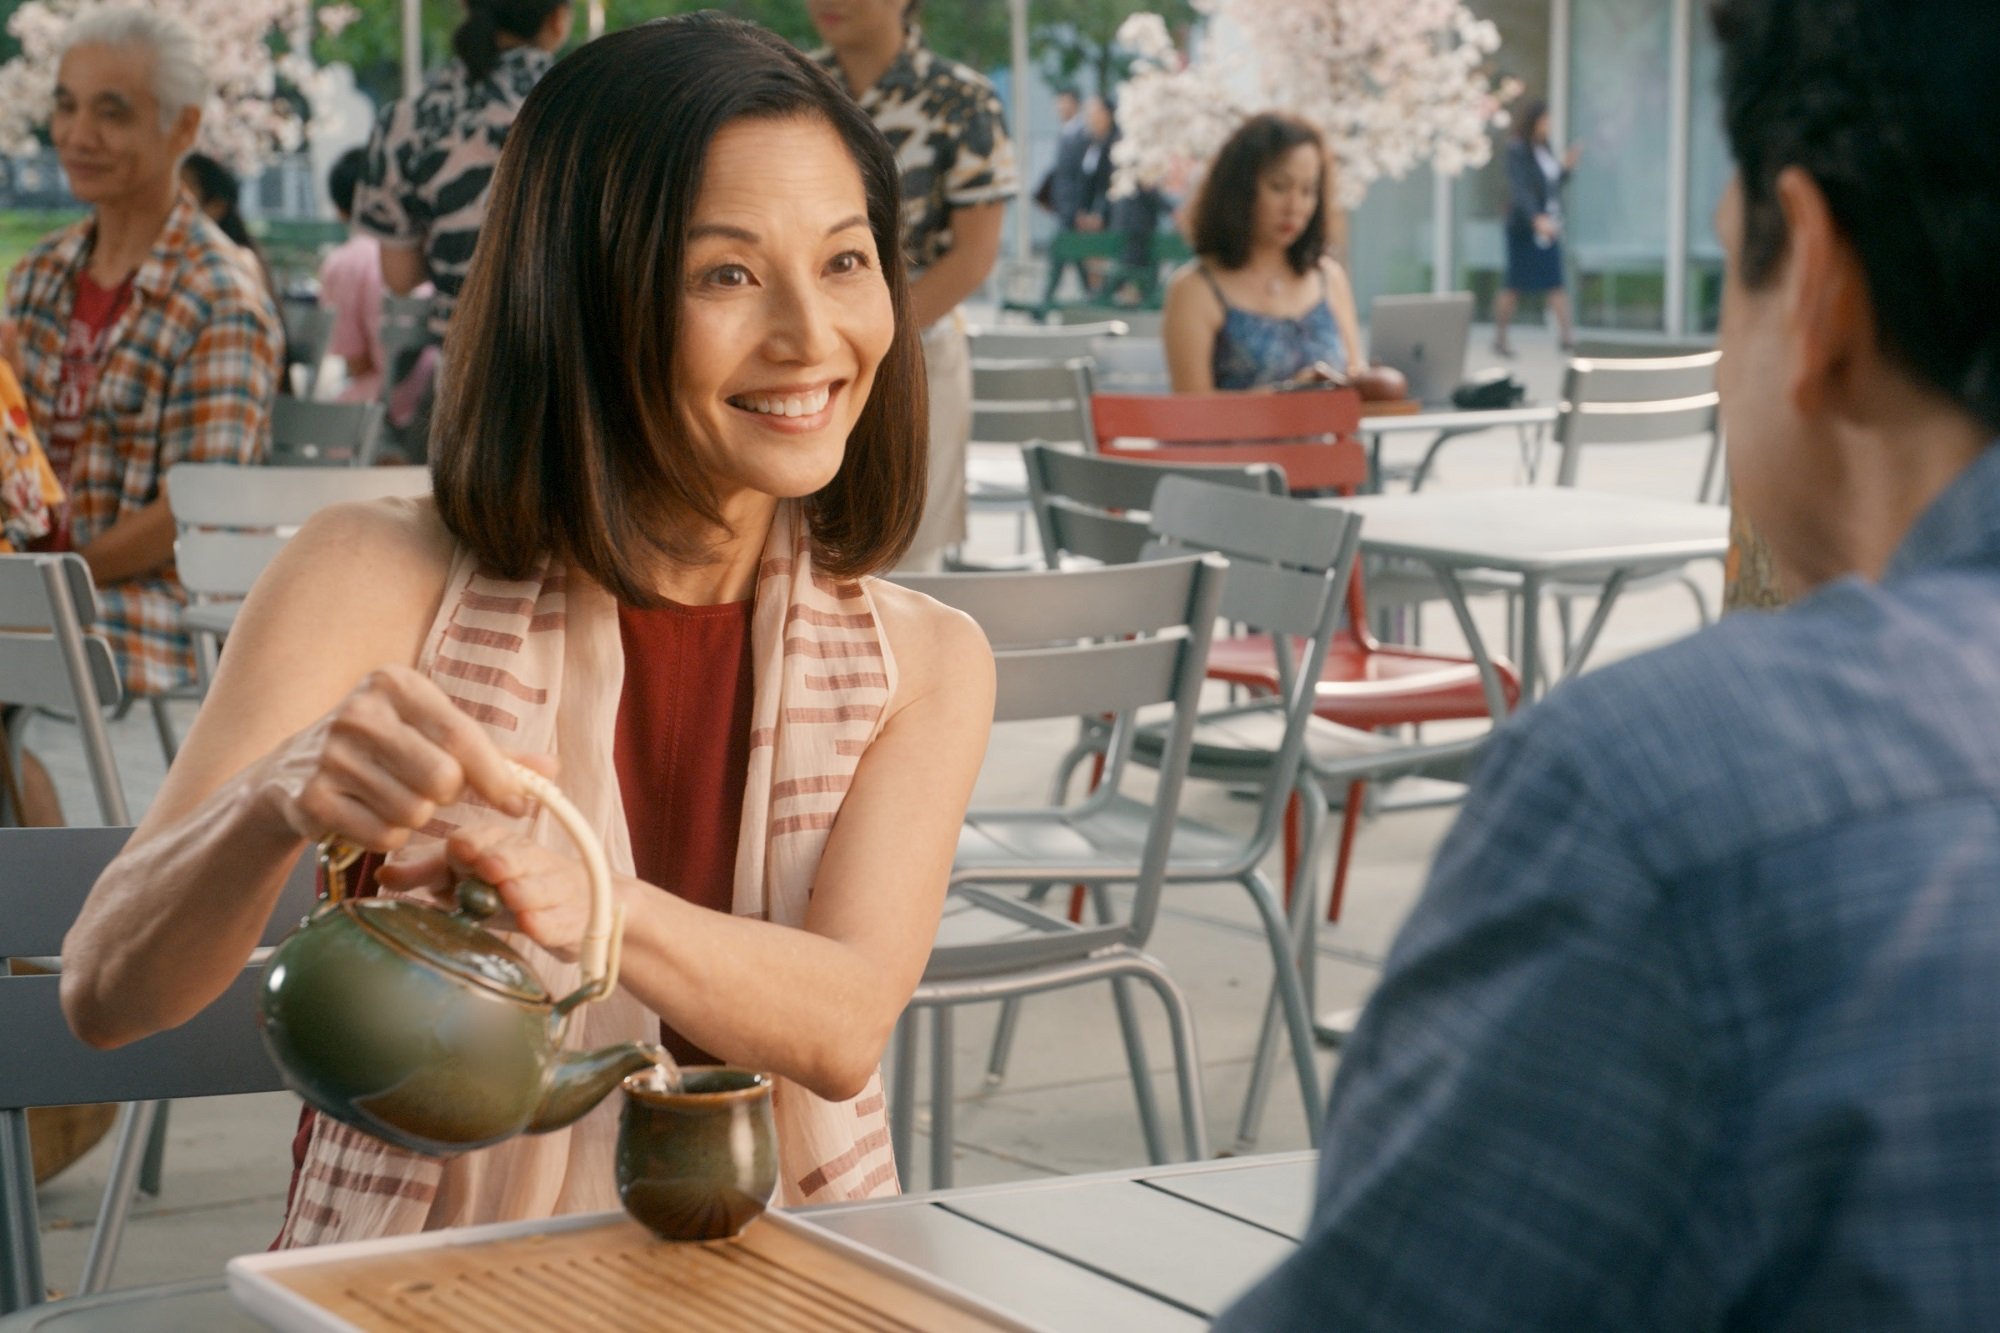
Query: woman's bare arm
[(1188, 327), (271, 760), (1340, 296)]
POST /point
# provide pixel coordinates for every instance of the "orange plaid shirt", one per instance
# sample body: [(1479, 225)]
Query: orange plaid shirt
[(188, 376)]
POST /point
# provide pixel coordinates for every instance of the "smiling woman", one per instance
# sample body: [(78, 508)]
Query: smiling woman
[(683, 426)]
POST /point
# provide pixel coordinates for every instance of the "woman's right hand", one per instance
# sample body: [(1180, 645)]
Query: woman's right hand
[(377, 767)]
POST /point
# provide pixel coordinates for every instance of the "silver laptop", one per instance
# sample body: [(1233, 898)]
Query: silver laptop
[(1425, 338)]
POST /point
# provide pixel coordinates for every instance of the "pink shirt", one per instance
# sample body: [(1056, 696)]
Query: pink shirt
[(350, 284)]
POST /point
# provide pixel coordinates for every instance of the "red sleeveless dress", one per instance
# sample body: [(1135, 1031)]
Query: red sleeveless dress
[(683, 753)]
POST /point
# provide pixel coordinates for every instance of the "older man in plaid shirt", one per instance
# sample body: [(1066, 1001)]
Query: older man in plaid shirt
[(142, 335)]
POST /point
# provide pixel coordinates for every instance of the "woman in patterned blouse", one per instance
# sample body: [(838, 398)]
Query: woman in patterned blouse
[(423, 193)]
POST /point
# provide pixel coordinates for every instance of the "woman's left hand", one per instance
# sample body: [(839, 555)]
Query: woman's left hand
[(547, 893)]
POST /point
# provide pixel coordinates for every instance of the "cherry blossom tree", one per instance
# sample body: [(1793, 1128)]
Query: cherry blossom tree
[(1390, 83), (257, 54)]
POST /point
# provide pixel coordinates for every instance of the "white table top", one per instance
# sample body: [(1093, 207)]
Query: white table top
[(1540, 529), (1450, 419)]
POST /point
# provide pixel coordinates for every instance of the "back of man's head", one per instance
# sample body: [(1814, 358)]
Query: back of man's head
[(1891, 107), (345, 178)]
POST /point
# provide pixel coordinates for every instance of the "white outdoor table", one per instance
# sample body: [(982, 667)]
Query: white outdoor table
[(1531, 425), (1163, 1247), (1540, 534)]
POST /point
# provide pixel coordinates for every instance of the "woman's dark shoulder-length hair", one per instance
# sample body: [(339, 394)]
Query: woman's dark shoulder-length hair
[(1226, 212), (557, 427)]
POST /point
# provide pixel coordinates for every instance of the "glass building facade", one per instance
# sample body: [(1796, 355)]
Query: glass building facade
[(1633, 82)]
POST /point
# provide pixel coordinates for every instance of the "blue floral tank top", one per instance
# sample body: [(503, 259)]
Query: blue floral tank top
[(1253, 349)]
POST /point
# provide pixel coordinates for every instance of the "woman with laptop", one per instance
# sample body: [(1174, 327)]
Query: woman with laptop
[(1263, 304)]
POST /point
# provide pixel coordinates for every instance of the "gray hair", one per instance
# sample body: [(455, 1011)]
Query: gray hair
[(179, 79)]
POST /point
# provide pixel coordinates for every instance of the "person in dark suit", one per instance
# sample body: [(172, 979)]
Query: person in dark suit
[(1080, 184), (1535, 178)]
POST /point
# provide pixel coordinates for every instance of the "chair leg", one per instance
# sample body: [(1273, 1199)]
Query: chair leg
[(1290, 994), (1350, 823), (942, 1131), (156, 1154), (1187, 1056), (903, 1092), (1003, 1042), (21, 1281), (170, 744), (1303, 911), (135, 1126), (1135, 1049)]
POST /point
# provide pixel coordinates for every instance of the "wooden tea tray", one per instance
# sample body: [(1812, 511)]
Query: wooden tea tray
[(601, 1272)]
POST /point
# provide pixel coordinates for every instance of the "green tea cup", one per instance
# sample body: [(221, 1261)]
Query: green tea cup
[(699, 1162)]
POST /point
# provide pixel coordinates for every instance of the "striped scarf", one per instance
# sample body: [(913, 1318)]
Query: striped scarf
[(538, 662)]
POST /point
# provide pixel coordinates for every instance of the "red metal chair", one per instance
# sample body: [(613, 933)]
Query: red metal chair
[(1313, 436)]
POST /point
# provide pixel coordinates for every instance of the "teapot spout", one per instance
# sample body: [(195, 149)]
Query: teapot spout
[(583, 1079)]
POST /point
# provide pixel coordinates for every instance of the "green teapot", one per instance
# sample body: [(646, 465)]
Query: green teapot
[(418, 1026)]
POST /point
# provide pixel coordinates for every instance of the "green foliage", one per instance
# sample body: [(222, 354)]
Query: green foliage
[(1072, 39), (373, 43)]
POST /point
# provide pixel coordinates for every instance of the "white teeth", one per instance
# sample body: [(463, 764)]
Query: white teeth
[(785, 405)]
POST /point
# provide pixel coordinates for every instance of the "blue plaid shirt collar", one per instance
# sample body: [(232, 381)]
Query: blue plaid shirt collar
[(1962, 525)]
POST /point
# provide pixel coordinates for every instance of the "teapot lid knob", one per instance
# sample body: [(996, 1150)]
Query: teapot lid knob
[(477, 900)]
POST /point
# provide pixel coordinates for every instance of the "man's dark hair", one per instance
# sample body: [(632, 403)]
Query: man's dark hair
[(345, 178), (1528, 116), (558, 428), (1891, 109), (476, 41), (1226, 213)]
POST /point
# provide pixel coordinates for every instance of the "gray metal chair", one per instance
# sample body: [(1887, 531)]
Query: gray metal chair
[(1138, 321), (50, 661), (309, 434), (218, 1052), (1015, 402), (1070, 644), (232, 521), (308, 328), (1115, 510), (1042, 342), (1132, 364)]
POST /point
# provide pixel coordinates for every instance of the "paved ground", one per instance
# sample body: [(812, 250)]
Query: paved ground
[(1066, 1105)]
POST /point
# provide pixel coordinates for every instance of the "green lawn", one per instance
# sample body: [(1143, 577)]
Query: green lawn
[(20, 229)]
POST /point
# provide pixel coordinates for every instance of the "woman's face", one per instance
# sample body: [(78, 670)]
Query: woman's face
[(1288, 192), (785, 314)]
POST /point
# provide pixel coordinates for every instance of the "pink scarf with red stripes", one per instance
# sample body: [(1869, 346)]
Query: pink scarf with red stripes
[(538, 662)]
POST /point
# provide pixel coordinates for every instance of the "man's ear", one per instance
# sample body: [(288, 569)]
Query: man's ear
[(1829, 318), (185, 130)]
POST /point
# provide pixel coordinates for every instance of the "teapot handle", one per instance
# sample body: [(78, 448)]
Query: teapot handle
[(598, 952), (603, 934)]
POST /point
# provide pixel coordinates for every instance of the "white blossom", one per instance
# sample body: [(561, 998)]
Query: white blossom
[(247, 46), (1390, 84)]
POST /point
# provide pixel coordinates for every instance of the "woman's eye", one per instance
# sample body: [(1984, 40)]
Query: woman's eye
[(727, 275), (848, 261)]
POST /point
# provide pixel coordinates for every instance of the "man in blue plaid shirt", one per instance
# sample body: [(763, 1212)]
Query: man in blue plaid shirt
[(1697, 1024)]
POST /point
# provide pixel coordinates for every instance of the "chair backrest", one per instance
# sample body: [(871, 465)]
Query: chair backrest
[(308, 326), (1640, 401), (1102, 642), (1040, 342), (1311, 434), (1139, 323), (233, 520), (1290, 562), (1014, 402), (405, 323), (218, 1052), (1096, 507), (50, 659), (311, 434), (1136, 364)]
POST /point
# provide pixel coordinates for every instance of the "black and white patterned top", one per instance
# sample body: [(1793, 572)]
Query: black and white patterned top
[(949, 133), (431, 160)]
